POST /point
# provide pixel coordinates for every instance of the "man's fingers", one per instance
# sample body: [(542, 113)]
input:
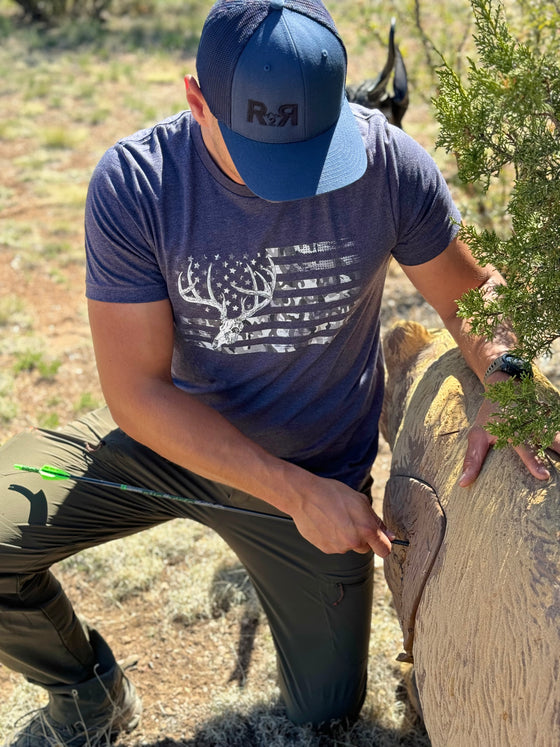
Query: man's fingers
[(377, 538), (380, 541), (535, 465), (479, 443), (555, 445), (363, 549), (382, 547), (345, 525)]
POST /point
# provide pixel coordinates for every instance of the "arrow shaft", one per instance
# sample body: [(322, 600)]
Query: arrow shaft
[(170, 496), (54, 473)]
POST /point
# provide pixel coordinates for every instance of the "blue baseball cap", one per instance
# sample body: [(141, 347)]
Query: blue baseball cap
[(273, 73)]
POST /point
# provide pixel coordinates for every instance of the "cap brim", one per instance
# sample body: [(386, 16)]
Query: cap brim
[(292, 171)]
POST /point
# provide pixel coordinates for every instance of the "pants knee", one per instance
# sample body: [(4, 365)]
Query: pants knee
[(337, 701)]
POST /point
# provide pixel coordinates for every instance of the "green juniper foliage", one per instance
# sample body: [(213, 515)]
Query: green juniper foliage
[(505, 121)]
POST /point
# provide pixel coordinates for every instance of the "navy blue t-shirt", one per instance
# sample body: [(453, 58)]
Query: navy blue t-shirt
[(276, 305)]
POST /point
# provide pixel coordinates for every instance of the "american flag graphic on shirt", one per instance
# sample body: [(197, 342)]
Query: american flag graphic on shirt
[(278, 300)]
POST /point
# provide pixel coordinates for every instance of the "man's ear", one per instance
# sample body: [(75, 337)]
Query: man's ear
[(195, 99)]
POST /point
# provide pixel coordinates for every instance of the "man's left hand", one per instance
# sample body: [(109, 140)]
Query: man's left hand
[(480, 442)]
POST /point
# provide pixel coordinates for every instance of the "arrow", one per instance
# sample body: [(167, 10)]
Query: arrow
[(48, 472)]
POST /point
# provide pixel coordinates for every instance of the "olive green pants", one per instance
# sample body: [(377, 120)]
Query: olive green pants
[(318, 606)]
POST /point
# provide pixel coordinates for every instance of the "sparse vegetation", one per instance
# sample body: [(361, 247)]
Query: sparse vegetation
[(86, 403), (8, 408), (11, 310), (35, 360), (48, 420)]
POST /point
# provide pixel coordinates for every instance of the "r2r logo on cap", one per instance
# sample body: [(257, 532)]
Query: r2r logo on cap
[(258, 111)]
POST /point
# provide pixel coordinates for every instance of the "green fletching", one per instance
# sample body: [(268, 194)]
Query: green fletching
[(53, 473)]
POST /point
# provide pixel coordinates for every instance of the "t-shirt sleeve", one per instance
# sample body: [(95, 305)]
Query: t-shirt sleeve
[(121, 264), (427, 219)]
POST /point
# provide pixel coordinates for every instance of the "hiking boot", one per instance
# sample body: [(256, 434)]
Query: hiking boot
[(42, 730)]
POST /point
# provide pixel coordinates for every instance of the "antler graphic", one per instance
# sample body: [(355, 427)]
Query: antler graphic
[(230, 329), (196, 297)]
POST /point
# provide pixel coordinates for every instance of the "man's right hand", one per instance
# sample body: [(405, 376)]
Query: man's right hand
[(339, 519)]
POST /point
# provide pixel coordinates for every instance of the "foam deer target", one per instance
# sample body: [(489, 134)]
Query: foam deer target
[(477, 591)]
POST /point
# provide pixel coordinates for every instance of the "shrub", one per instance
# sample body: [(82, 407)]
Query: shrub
[(506, 117)]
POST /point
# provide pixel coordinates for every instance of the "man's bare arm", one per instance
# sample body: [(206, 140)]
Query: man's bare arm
[(442, 281), (133, 347)]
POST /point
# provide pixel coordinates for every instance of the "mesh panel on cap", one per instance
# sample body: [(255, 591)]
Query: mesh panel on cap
[(313, 9), (221, 43)]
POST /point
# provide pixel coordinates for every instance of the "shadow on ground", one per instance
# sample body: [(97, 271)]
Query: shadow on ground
[(268, 726)]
